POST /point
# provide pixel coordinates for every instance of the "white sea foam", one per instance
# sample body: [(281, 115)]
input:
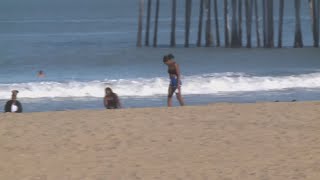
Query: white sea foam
[(198, 84)]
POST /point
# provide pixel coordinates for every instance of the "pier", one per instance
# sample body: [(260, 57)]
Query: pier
[(243, 21)]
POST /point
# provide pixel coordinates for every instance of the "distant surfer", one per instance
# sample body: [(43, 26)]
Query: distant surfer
[(111, 99), (13, 105), (175, 79), (41, 74)]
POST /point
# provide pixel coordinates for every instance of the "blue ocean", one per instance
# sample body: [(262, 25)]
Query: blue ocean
[(84, 46)]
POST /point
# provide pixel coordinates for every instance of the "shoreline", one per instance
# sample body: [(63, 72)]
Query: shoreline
[(102, 109)]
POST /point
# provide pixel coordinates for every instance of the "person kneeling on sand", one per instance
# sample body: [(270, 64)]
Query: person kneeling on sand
[(111, 99), (13, 105)]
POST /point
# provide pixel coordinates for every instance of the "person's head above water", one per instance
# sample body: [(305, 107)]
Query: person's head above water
[(40, 73), (108, 91)]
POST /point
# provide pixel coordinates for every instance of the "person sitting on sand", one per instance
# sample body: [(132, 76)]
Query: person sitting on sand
[(13, 105), (111, 99), (175, 79)]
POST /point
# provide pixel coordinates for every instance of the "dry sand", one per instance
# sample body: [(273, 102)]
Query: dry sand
[(263, 141)]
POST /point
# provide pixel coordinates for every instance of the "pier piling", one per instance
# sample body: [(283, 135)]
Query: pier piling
[(234, 15)]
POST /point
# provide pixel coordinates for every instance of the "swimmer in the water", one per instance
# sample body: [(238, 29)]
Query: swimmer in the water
[(175, 79), (41, 74)]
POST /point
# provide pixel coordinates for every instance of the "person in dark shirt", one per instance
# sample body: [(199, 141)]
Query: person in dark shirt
[(13, 105), (111, 99)]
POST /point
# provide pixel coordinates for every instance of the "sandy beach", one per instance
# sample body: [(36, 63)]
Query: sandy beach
[(262, 141)]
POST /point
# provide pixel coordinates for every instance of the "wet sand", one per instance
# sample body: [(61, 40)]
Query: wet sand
[(260, 141)]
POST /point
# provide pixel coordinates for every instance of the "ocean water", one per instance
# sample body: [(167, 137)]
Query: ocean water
[(86, 45)]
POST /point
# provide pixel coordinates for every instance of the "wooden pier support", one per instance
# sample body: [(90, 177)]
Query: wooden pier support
[(216, 17), (264, 21), (298, 42), (318, 21), (315, 25), (248, 8), (209, 37), (173, 23), (155, 35), (240, 22), (141, 9), (148, 22), (234, 27), (281, 12), (257, 22), (188, 21), (200, 23), (268, 31), (270, 24), (226, 24)]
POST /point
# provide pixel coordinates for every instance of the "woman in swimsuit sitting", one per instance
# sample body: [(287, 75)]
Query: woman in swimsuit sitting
[(111, 99), (175, 81)]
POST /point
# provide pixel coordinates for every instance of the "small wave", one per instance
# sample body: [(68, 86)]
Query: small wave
[(198, 84)]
